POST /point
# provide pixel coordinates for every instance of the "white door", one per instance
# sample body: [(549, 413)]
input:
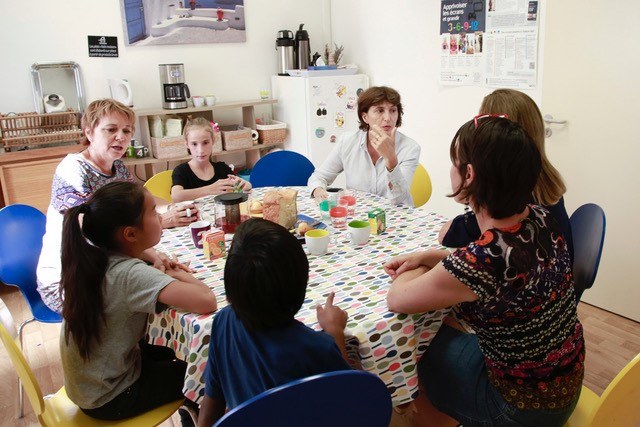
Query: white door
[(591, 79)]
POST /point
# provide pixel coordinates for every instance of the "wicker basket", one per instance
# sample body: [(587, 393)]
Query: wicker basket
[(235, 137), (33, 129), (167, 148), (273, 133)]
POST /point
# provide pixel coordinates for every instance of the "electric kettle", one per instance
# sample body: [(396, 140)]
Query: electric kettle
[(121, 91)]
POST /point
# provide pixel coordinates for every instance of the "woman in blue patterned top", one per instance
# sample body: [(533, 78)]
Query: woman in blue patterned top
[(514, 286), (108, 127)]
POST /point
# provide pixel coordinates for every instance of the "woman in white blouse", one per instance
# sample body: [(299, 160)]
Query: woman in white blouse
[(377, 158)]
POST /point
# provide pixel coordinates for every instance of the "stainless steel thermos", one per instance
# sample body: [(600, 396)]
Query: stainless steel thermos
[(285, 47), (302, 51)]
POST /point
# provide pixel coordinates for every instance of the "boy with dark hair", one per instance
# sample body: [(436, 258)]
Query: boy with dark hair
[(256, 344)]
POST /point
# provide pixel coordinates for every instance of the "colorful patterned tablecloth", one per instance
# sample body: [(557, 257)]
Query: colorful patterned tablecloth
[(385, 343)]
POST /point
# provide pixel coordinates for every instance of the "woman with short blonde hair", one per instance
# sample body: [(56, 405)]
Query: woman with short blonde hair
[(550, 187)]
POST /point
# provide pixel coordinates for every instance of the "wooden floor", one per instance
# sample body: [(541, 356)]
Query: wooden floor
[(611, 342)]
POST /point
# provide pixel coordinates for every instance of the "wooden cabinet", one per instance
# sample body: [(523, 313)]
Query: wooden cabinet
[(252, 154), (26, 176)]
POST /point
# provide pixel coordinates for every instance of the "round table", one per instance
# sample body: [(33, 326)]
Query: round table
[(379, 341)]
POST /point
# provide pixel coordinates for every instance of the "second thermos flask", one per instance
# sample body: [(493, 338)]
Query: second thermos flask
[(302, 51)]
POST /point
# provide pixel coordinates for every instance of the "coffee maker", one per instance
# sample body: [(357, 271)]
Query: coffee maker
[(174, 90)]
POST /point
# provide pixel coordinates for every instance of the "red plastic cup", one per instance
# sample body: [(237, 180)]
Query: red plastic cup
[(348, 201), (338, 216)]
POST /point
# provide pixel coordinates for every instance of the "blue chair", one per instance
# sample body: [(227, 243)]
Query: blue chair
[(346, 398), (21, 231), (281, 169), (588, 226)]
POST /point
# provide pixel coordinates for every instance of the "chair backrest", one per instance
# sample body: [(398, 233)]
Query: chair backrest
[(29, 382), (420, 186), (21, 231), (334, 398), (588, 226), (618, 404), (160, 184), (281, 168)]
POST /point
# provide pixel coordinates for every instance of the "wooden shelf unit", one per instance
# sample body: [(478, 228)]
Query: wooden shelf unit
[(26, 176), (252, 154)]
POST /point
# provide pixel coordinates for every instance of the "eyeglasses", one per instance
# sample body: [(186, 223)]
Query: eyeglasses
[(484, 116)]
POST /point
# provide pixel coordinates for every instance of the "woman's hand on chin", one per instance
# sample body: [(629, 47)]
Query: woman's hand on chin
[(384, 143)]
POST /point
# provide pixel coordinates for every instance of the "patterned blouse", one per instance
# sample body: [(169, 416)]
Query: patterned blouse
[(73, 182), (525, 317), (76, 179)]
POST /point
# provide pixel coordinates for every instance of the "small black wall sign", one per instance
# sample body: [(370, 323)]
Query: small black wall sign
[(103, 46)]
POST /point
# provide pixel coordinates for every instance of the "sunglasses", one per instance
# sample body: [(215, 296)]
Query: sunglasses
[(484, 116)]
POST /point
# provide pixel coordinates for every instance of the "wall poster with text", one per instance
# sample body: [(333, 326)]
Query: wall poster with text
[(462, 28), (489, 42)]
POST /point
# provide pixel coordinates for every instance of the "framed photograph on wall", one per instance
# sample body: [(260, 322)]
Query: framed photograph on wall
[(161, 22)]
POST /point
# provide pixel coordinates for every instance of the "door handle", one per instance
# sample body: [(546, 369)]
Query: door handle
[(549, 120)]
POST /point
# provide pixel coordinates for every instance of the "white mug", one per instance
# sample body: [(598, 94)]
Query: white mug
[(359, 232), (185, 203), (317, 241), (210, 100), (198, 101)]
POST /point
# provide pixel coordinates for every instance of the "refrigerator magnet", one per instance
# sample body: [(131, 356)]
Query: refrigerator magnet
[(359, 91), (319, 132), (316, 90), (332, 139), (351, 103), (339, 119), (341, 90), (321, 110)]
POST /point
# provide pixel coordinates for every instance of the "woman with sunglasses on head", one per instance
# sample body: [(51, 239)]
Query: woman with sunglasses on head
[(549, 189), (377, 158), (525, 363)]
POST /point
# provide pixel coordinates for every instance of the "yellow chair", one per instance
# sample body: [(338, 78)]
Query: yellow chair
[(58, 409), (159, 185), (618, 405), (420, 186)]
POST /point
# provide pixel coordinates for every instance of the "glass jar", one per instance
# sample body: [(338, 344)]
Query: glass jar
[(230, 211)]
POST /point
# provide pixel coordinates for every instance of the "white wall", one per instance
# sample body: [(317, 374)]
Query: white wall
[(399, 46), (47, 31)]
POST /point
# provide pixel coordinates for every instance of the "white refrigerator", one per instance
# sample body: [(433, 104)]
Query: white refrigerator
[(317, 109)]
